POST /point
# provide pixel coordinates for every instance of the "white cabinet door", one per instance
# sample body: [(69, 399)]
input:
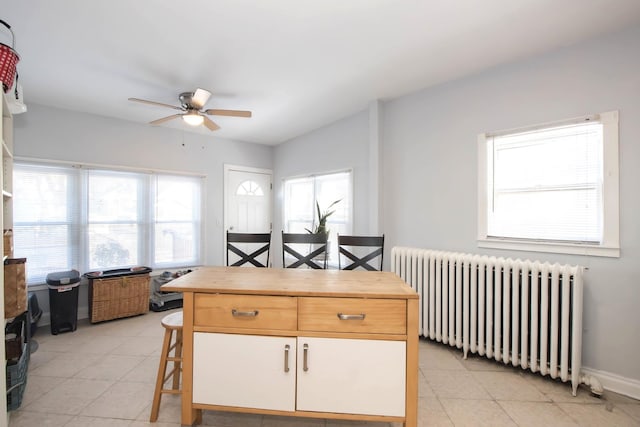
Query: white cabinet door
[(351, 376), (244, 370)]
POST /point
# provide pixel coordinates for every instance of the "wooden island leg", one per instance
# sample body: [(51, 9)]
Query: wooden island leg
[(411, 411), (190, 416)]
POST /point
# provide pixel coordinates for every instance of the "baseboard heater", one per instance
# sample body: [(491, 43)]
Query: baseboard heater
[(519, 312)]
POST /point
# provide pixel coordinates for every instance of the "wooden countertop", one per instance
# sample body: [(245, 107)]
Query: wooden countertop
[(292, 282)]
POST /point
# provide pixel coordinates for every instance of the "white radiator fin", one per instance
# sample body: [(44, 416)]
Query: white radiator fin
[(522, 312)]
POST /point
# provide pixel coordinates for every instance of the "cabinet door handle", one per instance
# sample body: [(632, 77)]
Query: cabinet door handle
[(360, 316), (305, 354), (286, 357), (237, 313)]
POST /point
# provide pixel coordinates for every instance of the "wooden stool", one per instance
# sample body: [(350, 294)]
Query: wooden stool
[(171, 322)]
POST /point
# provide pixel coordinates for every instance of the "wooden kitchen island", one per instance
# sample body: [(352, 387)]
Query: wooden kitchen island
[(309, 343)]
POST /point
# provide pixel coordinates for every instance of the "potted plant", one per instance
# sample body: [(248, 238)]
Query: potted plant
[(321, 228)]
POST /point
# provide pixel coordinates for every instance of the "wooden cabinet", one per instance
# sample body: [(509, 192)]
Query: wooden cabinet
[(351, 376), (347, 376), (249, 371), (320, 344)]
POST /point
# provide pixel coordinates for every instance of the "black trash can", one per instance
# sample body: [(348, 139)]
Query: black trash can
[(63, 300)]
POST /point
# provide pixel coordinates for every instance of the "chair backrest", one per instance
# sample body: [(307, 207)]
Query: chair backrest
[(373, 248), (306, 248), (242, 243)]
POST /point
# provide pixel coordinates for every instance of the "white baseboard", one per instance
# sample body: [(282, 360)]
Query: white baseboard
[(616, 383)]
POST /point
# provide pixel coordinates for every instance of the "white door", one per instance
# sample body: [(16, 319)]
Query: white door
[(247, 200), (245, 371), (351, 376)]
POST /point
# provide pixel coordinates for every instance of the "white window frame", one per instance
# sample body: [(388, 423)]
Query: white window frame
[(146, 251), (333, 250), (610, 245)]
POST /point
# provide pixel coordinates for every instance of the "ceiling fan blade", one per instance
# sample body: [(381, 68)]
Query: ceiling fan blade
[(165, 119), (200, 97), (230, 113), (210, 124), (159, 104)]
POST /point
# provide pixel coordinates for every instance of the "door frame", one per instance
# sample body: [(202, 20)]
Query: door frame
[(225, 201)]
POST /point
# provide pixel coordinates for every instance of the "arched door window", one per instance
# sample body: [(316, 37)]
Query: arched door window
[(249, 188)]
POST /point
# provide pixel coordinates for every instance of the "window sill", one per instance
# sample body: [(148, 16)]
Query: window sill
[(558, 248)]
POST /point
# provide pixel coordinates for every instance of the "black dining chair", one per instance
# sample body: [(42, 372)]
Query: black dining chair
[(241, 244), (307, 250), (361, 251)]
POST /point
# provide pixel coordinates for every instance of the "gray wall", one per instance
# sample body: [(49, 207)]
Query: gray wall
[(338, 146), (430, 170), (429, 166), (56, 134)]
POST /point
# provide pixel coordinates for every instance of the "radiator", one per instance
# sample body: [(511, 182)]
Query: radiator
[(519, 312)]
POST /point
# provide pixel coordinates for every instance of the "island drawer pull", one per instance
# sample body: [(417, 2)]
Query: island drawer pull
[(360, 316), (237, 313)]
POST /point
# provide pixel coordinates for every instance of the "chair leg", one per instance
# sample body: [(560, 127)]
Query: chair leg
[(162, 369), (177, 364)]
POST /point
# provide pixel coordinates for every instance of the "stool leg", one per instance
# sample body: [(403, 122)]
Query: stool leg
[(177, 365), (162, 369)]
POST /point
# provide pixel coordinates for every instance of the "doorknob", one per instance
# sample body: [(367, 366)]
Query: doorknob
[(231, 228)]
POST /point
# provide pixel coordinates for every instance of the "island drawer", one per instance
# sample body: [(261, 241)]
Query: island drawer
[(355, 315), (245, 311)]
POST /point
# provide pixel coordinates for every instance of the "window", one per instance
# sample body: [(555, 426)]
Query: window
[(551, 188), (89, 218), (300, 212)]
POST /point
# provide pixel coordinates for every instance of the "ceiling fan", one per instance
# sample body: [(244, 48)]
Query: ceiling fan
[(191, 104)]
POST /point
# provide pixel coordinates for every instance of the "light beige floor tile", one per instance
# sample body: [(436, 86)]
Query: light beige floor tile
[(476, 413), (156, 424), (82, 421), (169, 412), (354, 423), (456, 385), (65, 365), (138, 346), (596, 415), (632, 409), (94, 349), (432, 414), (145, 372), (559, 391), (40, 357), (100, 344), (70, 397), (122, 400), (111, 367), (508, 385), (33, 419), (38, 386), (442, 359), (537, 414), (277, 421), (230, 419), (618, 398), (475, 362), (424, 389)]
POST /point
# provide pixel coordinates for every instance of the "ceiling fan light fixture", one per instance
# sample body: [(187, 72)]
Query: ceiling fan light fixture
[(193, 119)]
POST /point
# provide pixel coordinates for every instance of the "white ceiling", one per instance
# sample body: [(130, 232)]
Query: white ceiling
[(297, 64)]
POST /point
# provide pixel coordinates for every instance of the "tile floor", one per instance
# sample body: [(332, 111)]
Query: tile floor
[(103, 376)]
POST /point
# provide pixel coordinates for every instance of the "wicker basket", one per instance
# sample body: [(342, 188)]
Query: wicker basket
[(8, 60), (113, 298), (15, 287), (17, 354)]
